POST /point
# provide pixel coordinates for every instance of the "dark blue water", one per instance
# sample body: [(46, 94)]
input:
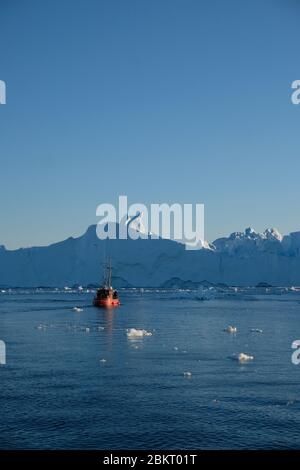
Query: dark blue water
[(56, 393)]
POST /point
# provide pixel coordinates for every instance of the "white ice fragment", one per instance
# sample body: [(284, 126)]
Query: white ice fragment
[(133, 333), (242, 357), (87, 330), (256, 330), (147, 333), (77, 309), (103, 360), (187, 374), (231, 329)]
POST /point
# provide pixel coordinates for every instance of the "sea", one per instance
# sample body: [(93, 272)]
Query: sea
[(73, 377)]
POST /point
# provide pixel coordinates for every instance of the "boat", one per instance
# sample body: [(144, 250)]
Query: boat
[(106, 296)]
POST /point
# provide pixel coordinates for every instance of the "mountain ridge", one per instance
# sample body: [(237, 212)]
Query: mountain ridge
[(243, 258)]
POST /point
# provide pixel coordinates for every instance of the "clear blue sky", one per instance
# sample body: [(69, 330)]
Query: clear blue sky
[(162, 100)]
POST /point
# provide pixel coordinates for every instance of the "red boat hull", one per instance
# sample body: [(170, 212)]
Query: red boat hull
[(106, 302)]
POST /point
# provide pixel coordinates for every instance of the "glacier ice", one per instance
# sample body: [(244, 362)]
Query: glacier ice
[(243, 259)]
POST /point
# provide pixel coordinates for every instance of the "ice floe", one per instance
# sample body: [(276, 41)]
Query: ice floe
[(231, 329), (187, 374), (256, 330), (133, 333), (77, 309), (242, 357)]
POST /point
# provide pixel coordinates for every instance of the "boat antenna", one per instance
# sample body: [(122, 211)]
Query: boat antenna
[(109, 273)]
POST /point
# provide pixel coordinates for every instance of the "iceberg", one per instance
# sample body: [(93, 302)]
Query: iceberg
[(246, 258)]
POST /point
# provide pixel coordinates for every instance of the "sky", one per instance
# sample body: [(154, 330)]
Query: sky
[(170, 101)]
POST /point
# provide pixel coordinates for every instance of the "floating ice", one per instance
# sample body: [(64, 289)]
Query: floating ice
[(77, 309), (242, 357), (231, 329), (187, 374), (133, 333), (256, 330), (103, 360), (87, 330)]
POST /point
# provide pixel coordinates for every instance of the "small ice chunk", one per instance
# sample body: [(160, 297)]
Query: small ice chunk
[(175, 348), (256, 330), (77, 309), (103, 360), (187, 374), (147, 333), (100, 328), (133, 333), (231, 329), (242, 357), (87, 330)]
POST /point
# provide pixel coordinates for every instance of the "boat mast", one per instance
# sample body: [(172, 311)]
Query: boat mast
[(109, 273)]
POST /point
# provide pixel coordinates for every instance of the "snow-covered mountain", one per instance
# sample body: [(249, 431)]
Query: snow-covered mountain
[(243, 258)]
